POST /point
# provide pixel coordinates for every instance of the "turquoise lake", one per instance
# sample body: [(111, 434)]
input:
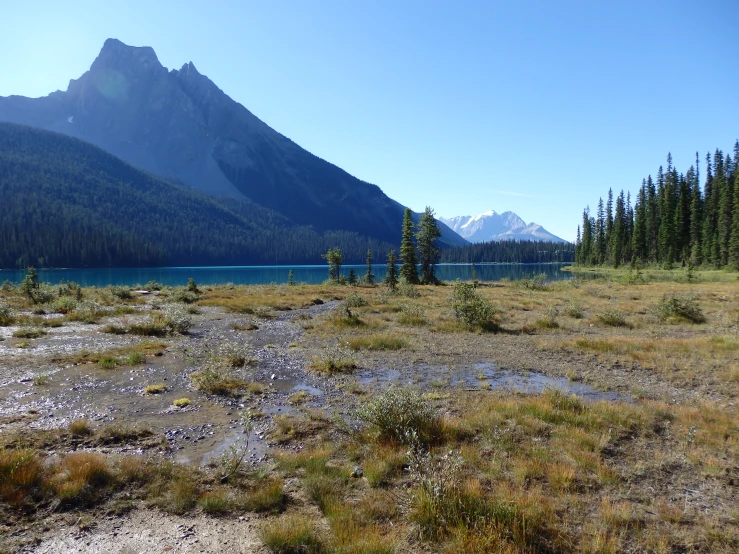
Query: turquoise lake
[(261, 275)]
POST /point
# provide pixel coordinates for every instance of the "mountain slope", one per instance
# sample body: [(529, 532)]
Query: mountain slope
[(179, 124), (66, 203), (491, 225)]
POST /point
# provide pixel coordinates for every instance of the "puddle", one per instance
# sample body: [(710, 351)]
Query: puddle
[(485, 375)]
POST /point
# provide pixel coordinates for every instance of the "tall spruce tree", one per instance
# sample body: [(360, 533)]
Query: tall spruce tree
[(391, 276), (369, 278), (408, 270), (428, 253)]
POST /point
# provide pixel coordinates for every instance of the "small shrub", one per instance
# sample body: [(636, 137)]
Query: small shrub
[(333, 359), (152, 285), (535, 282), (215, 502), (177, 320), (472, 309), (135, 358), (117, 433), (412, 314), (292, 535), (182, 402), (235, 354), (29, 333), (6, 315), (87, 312), (64, 305), (122, 293), (184, 296), (113, 329), (108, 362), (407, 290), (41, 380), (213, 379), (679, 307), (574, 309), (400, 413), (82, 478), (80, 428), (377, 342), (155, 389), (354, 300), (21, 475), (267, 495), (612, 318)]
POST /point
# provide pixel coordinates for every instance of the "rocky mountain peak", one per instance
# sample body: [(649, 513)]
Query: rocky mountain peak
[(126, 59)]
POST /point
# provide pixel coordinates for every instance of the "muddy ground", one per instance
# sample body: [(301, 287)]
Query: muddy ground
[(43, 386)]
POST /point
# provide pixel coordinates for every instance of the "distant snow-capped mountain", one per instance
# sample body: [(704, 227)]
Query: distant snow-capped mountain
[(491, 225)]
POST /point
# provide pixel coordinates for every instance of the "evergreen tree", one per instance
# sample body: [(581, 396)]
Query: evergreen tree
[(639, 239), (352, 279), (369, 278), (428, 253), (600, 234), (726, 202), (408, 270), (696, 217), (391, 276), (334, 257), (618, 234), (609, 226), (734, 240)]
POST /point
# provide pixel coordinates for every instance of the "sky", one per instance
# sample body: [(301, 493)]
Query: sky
[(534, 107)]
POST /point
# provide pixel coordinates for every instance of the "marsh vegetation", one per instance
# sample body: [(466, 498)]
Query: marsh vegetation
[(368, 441)]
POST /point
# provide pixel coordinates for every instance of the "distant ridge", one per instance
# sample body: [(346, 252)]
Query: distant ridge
[(67, 203), (491, 225)]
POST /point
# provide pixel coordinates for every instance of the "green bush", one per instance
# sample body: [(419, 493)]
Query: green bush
[(679, 307), (612, 318), (122, 293), (574, 309), (354, 300), (400, 414), (472, 309), (535, 282), (6, 315)]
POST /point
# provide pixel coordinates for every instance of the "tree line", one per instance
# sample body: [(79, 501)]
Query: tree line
[(511, 251), (673, 219), (66, 203)]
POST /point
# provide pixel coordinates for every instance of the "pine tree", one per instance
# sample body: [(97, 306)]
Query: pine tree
[(586, 247), (652, 214), (726, 201), (428, 253), (734, 240), (618, 234), (408, 270), (334, 257), (696, 217), (391, 277), (609, 226), (600, 234), (639, 239), (369, 278)]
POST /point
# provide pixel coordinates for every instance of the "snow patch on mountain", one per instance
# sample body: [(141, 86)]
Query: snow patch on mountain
[(491, 225)]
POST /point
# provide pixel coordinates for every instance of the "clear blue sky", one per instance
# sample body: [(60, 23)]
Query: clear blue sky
[(534, 107)]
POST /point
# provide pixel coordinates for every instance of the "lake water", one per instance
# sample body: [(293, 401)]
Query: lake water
[(260, 275)]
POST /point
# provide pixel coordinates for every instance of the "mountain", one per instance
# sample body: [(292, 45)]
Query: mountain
[(491, 225), (67, 203), (180, 125)]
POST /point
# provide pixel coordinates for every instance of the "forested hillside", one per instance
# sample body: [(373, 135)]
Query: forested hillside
[(511, 251), (66, 203), (673, 220)]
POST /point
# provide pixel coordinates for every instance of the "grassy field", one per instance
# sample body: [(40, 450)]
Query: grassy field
[(427, 467)]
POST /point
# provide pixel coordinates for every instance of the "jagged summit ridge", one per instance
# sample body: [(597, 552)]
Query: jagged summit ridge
[(490, 225)]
